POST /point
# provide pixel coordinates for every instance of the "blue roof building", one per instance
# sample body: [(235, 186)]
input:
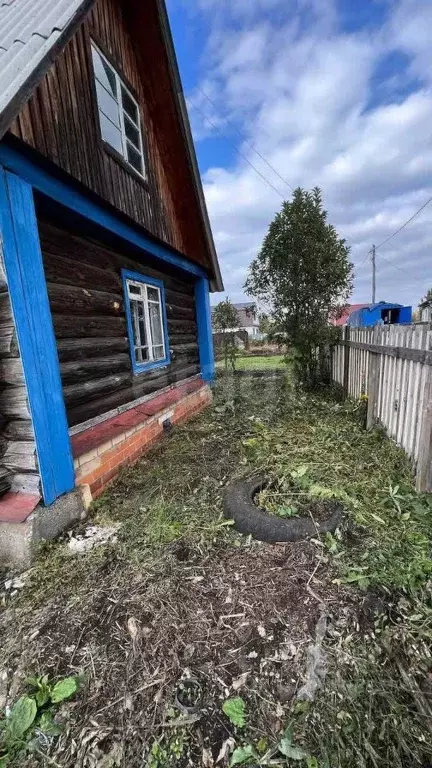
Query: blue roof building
[(383, 313)]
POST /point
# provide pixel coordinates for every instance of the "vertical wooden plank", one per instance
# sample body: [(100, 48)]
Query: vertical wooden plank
[(372, 385), (424, 462), (346, 361)]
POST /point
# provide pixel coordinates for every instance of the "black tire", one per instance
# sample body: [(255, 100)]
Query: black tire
[(249, 519)]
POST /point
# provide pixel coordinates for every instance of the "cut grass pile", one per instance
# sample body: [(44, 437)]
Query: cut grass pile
[(181, 597)]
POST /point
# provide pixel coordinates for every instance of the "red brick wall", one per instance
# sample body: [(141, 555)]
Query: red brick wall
[(97, 467)]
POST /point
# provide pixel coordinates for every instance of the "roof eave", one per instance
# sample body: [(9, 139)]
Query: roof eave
[(49, 54), (216, 284)]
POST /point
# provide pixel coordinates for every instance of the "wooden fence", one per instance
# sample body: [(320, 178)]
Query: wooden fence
[(392, 365)]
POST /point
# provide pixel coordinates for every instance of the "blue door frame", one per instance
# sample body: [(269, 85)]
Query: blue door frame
[(19, 175)]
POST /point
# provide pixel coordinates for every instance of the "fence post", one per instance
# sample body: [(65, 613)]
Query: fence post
[(372, 383), (346, 361), (424, 463)]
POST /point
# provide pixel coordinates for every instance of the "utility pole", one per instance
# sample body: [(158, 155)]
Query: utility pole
[(373, 275)]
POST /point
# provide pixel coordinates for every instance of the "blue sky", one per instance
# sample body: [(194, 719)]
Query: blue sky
[(333, 93)]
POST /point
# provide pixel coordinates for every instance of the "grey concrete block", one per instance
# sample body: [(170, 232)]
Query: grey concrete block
[(15, 544), (49, 522), (16, 539)]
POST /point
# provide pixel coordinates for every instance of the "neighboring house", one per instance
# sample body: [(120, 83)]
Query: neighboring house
[(342, 319), (249, 321), (425, 311), (382, 313), (108, 257)]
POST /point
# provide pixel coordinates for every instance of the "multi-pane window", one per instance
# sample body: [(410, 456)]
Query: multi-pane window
[(147, 325), (119, 116)]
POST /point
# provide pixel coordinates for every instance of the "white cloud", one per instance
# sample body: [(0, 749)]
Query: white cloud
[(304, 94)]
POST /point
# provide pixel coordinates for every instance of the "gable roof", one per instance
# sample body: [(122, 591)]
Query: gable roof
[(348, 310), (34, 32), (245, 305)]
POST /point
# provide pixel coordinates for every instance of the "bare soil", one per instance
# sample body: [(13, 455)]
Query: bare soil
[(237, 620)]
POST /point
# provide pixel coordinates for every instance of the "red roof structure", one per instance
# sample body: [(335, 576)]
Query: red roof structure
[(343, 319)]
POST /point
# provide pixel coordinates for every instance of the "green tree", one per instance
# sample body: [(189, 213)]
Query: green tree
[(427, 297), (303, 272), (264, 324), (224, 318)]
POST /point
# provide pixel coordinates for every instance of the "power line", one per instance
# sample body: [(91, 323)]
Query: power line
[(249, 143), (357, 266), (406, 223), (422, 207), (278, 192), (216, 128)]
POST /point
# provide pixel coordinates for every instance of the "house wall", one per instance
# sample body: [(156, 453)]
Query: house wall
[(18, 461), (86, 297), (426, 314), (247, 319), (61, 121)]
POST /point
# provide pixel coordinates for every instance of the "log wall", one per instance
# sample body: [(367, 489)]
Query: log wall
[(18, 461), (86, 297)]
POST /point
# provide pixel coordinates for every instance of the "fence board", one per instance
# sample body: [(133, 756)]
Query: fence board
[(393, 366)]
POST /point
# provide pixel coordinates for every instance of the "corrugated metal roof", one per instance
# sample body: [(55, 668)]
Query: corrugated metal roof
[(29, 29)]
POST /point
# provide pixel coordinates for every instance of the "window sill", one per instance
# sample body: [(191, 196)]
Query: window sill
[(138, 368), (126, 167)]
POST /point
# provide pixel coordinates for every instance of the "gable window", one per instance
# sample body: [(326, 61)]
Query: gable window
[(146, 318), (119, 116)]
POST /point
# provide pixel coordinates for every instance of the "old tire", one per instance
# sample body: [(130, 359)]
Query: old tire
[(249, 519)]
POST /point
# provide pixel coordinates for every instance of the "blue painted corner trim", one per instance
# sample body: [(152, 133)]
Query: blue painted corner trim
[(205, 336), (77, 201), (128, 274), (30, 306)]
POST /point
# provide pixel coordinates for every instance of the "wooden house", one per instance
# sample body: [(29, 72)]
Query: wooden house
[(107, 255)]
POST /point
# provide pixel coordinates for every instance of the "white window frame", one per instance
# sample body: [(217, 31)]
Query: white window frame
[(119, 86), (143, 284)]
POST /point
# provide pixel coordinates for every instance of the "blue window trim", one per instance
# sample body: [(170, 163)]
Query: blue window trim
[(128, 274), (72, 198)]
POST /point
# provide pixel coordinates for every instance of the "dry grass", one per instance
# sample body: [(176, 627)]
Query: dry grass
[(182, 596)]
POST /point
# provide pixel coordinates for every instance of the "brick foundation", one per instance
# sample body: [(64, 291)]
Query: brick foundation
[(101, 451)]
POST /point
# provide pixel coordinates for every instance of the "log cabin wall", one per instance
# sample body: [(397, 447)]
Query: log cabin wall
[(18, 461), (61, 121), (86, 297)]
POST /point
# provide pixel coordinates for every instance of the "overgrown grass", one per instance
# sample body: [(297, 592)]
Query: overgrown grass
[(258, 363), (375, 707)]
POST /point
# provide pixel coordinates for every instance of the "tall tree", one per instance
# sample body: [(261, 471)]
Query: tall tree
[(303, 272), (427, 297), (224, 318)]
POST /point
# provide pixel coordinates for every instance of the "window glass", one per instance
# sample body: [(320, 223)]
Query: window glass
[(152, 294), (145, 308), (132, 133), (134, 158), (129, 106), (158, 352), (155, 323), (104, 72), (118, 113), (110, 133), (108, 105)]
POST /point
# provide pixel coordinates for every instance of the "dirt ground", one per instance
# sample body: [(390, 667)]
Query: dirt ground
[(181, 614)]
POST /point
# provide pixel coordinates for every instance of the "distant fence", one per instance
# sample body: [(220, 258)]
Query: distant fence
[(392, 365)]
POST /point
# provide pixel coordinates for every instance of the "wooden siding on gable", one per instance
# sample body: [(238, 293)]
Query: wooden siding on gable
[(86, 298), (61, 121)]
